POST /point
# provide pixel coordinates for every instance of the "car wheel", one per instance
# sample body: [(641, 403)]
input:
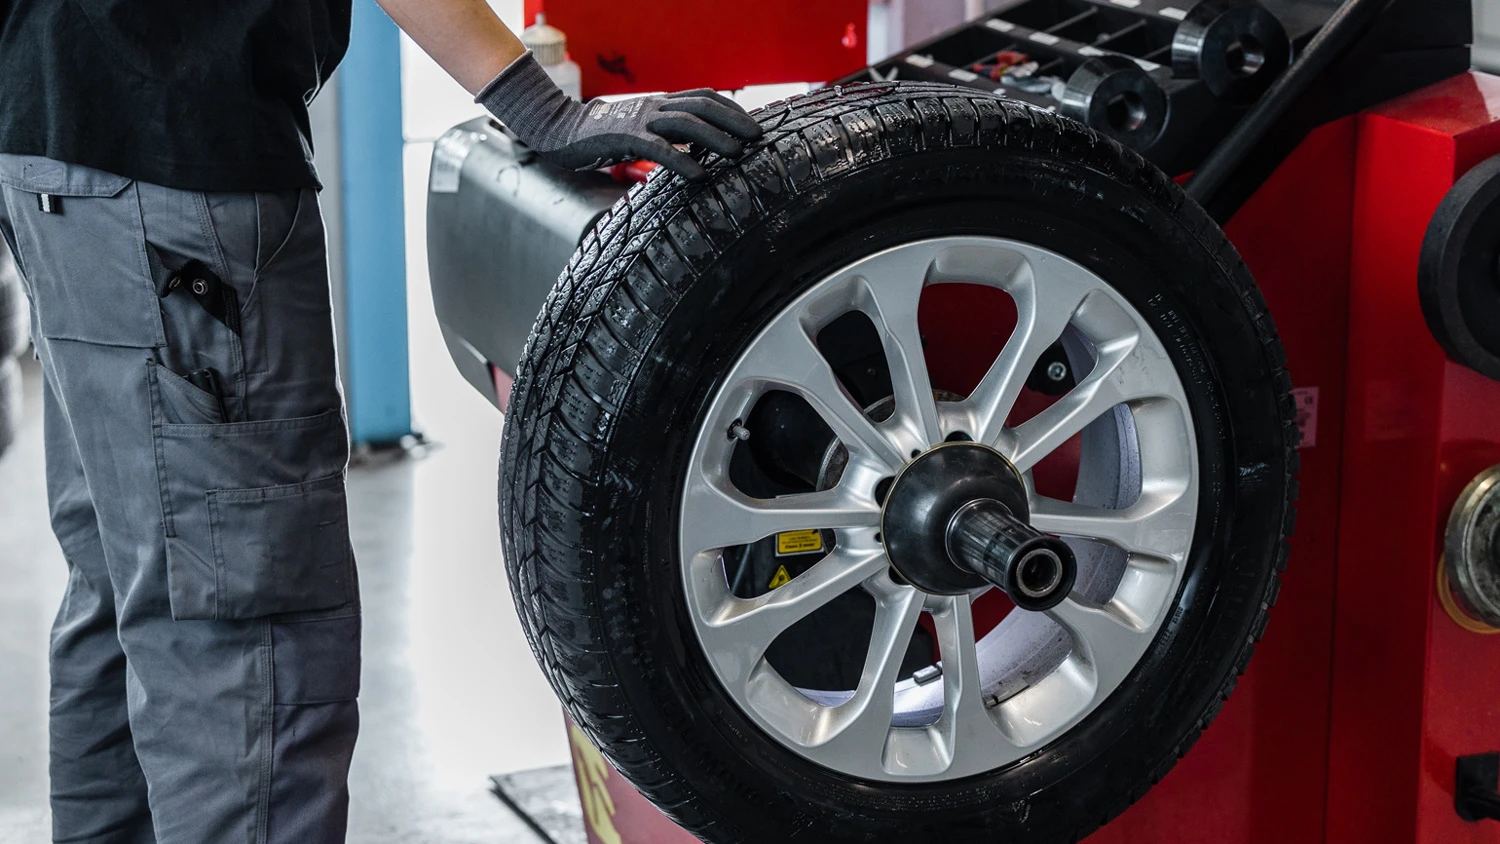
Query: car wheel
[(739, 375)]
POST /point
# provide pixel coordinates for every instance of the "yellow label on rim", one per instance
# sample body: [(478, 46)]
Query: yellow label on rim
[(799, 542)]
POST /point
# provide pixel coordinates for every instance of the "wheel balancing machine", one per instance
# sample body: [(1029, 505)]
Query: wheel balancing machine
[(930, 472)]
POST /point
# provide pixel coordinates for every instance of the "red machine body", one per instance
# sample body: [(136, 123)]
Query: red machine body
[(632, 47), (1364, 691), (1412, 690)]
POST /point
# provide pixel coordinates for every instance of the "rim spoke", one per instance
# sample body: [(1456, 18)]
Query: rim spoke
[(966, 725), (1153, 528), (862, 725), (1109, 644), (1042, 315), (896, 301), (741, 630), (715, 517), (1121, 375), (790, 359)]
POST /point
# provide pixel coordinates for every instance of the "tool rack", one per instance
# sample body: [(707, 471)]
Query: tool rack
[(1130, 68)]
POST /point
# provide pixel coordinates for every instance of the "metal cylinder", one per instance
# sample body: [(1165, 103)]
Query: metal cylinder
[(1236, 47), (1472, 550), (1116, 96), (1037, 571)]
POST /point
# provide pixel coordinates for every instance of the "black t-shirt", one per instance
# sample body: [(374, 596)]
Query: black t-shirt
[(191, 94)]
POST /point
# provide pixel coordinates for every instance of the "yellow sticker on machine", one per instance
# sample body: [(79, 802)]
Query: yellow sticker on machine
[(799, 542)]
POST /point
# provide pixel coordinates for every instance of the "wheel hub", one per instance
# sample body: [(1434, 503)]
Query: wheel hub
[(955, 520)]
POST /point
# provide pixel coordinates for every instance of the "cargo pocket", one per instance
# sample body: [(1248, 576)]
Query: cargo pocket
[(316, 724), (256, 517), (81, 243), (316, 661), (178, 400)]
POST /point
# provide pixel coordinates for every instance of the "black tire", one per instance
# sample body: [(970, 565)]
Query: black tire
[(14, 319), (670, 288), (10, 403)]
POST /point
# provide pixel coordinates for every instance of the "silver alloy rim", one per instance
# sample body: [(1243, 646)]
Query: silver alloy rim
[(1035, 676)]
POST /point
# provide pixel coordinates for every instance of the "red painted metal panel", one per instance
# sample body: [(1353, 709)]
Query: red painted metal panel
[(634, 47), (1258, 774), (1412, 691), (1461, 712)]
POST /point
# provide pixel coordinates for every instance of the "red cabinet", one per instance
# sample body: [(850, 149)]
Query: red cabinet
[(724, 44)]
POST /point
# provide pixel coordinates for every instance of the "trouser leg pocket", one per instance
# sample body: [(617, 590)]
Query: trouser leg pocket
[(81, 241), (316, 676), (281, 549), (256, 516)]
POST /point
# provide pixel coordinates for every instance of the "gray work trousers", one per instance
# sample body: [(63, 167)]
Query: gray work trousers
[(205, 661)]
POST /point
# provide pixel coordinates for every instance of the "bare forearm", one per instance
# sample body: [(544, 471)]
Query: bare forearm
[(465, 37)]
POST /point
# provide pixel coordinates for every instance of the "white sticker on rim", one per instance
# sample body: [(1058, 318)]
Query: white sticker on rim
[(1090, 51), (999, 25), (1129, 4), (1045, 38), (963, 75), (1174, 13), (920, 61)]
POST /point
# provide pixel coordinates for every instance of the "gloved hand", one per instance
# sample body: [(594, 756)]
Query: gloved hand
[(581, 137)]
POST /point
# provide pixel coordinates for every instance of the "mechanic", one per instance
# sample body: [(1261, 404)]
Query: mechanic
[(160, 198)]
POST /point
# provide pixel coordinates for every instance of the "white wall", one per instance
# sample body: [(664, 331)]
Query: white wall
[(1487, 34), (432, 103), (490, 711), (895, 24)]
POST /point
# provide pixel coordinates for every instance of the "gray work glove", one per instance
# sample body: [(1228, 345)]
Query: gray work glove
[(582, 137)]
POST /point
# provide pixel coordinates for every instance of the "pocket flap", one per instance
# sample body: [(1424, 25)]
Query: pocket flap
[(35, 174), (316, 662), (256, 454), (281, 549)]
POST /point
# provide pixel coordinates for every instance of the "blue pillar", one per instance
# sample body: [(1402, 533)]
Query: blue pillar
[(375, 346)]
